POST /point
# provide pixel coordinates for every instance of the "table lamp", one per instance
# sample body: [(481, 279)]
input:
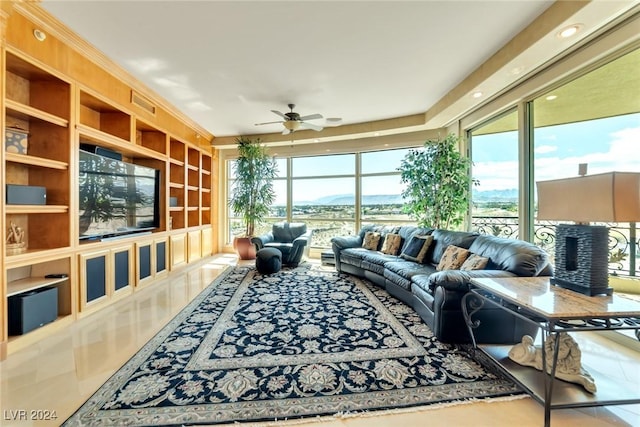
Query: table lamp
[(582, 250)]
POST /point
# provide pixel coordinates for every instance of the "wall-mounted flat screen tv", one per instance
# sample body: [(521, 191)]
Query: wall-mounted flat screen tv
[(116, 197)]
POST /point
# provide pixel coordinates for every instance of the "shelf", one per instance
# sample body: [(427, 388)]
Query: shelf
[(31, 283), (107, 140), (176, 209), (193, 168), (176, 162), (176, 185), (193, 188), (26, 112), (205, 190), (36, 161), (192, 208), (205, 172), (38, 209), (565, 394)]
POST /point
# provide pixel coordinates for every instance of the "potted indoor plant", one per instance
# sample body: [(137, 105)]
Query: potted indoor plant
[(438, 183), (252, 191)]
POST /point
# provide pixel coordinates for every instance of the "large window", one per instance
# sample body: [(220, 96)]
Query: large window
[(327, 190), (594, 119), (494, 152), (381, 190)]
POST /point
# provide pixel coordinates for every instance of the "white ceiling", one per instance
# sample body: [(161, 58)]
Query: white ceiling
[(227, 64)]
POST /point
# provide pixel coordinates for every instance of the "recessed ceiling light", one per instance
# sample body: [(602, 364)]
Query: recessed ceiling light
[(569, 31), (477, 94), (551, 97), (39, 35)]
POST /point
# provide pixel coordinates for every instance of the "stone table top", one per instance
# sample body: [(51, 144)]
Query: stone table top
[(553, 302)]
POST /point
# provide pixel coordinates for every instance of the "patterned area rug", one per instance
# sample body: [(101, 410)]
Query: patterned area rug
[(298, 343)]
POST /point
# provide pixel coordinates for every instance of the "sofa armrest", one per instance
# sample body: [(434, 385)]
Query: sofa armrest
[(261, 241), (303, 239), (345, 242), (458, 280)]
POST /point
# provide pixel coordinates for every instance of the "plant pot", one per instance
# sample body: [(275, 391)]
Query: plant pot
[(244, 248)]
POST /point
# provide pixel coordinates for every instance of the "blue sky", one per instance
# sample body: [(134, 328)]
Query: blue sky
[(605, 144), (610, 144)]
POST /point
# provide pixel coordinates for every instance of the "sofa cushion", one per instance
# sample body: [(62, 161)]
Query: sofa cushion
[(513, 255), (400, 272), (474, 262), (353, 256), (371, 240), (392, 244), (416, 249), (452, 258), (375, 261), (408, 269), (444, 238)]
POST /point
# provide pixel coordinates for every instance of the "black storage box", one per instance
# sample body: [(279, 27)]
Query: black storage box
[(30, 310)]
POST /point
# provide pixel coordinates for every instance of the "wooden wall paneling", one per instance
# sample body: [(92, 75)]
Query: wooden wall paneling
[(215, 194), (4, 16), (194, 246), (178, 248), (207, 241)]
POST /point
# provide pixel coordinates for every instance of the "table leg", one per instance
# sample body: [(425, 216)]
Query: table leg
[(475, 303)]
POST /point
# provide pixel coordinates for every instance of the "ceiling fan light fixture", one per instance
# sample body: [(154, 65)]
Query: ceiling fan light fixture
[(292, 125)]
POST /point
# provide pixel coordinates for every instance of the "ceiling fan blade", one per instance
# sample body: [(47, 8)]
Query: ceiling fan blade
[(305, 125), (333, 121), (311, 117), (286, 131), (279, 114), (268, 123)]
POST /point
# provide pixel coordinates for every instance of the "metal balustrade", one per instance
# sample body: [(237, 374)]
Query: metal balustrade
[(624, 244)]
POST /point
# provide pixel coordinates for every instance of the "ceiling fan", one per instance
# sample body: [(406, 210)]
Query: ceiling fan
[(293, 121)]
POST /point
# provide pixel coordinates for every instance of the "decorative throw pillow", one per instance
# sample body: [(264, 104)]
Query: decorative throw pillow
[(417, 248), (475, 262), (371, 240), (392, 244), (452, 258)]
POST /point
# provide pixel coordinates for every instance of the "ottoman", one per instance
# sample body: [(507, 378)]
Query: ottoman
[(268, 260)]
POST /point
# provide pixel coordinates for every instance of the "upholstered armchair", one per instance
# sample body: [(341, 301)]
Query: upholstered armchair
[(292, 239)]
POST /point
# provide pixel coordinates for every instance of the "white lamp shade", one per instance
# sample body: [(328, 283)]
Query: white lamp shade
[(607, 197)]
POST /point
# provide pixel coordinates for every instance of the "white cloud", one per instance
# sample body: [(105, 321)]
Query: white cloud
[(543, 149), (496, 175)]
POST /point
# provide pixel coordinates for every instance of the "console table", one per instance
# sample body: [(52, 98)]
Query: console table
[(554, 310)]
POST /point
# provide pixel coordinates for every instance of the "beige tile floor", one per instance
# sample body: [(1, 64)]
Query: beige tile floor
[(62, 370)]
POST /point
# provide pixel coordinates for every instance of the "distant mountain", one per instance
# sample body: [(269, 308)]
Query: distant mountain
[(507, 195), (349, 199)]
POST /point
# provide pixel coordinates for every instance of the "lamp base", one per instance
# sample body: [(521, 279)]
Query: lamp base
[(583, 289)]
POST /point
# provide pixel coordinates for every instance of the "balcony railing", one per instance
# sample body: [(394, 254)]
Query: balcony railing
[(624, 244)]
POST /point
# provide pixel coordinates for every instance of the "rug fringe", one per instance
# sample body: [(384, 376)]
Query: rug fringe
[(373, 413)]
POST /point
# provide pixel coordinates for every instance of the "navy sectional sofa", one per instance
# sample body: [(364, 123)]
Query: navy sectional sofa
[(437, 295)]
